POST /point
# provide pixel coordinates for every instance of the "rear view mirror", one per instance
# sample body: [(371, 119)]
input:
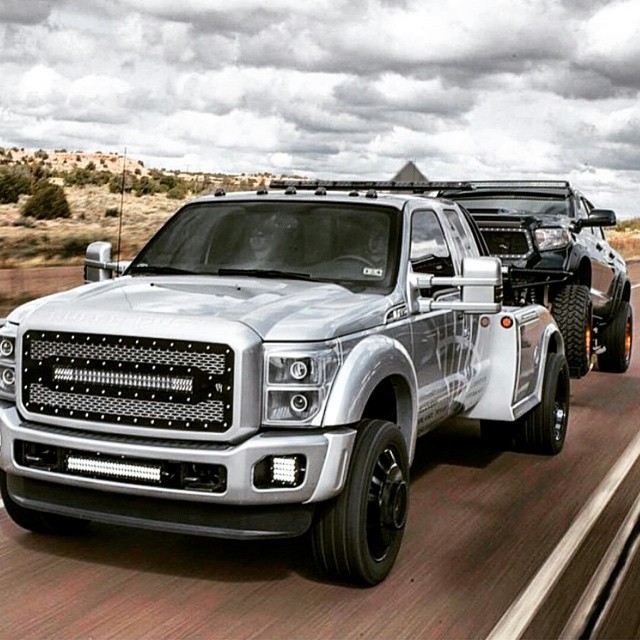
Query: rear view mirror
[(599, 218), (480, 283), (99, 266)]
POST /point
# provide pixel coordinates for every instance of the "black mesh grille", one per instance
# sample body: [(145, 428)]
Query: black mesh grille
[(507, 243), (160, 383)]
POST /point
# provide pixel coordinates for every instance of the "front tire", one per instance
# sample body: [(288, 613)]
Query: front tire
[(617, 337), (357, 535), (39, 521), (573, 312), (544, 428)]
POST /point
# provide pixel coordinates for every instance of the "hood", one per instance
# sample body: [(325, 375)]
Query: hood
[(276, 310)]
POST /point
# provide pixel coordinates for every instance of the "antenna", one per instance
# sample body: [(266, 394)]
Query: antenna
[(124, 166)]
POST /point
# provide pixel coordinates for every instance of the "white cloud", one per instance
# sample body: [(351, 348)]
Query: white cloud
[(336, 89), (610, 42)]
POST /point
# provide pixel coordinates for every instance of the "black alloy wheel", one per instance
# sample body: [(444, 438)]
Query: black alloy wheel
[(357, 535)]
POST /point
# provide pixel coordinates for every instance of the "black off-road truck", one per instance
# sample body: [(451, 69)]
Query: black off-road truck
[(553, 248)]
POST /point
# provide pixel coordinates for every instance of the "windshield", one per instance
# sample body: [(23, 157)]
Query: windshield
[(536, 205), (350, 244)]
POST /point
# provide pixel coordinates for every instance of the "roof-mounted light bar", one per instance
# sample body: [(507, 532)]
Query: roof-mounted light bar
[(557, 184), (367, 185)]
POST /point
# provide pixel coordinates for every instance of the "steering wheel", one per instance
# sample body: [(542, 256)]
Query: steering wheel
[(354, 258)]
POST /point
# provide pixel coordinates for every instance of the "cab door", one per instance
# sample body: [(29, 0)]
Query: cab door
[(441, 339), (602, 261)]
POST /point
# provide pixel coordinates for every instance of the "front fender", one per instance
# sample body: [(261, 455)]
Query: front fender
[(373, 360)]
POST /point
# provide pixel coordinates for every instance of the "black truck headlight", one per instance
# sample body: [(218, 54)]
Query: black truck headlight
[(297, 382), (548, 239)]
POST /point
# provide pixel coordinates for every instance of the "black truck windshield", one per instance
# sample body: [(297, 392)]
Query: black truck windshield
[(521, 203), (354, 245)]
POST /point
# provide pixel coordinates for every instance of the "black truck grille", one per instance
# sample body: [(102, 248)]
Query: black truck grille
[(150, 382), (507, 243)]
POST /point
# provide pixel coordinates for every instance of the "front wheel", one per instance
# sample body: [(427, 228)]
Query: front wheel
[(357, 536), (617, 337), (544, 428), (39, 521)]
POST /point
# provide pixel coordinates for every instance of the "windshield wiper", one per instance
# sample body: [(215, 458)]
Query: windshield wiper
[(265, 273), (158, 269)]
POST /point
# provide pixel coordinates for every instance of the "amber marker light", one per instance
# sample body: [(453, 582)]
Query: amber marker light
[(506, 322)]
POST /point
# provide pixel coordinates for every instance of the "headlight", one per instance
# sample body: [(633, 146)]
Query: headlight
[(7, 347), (7, 362), (298, 382), (549, 239)]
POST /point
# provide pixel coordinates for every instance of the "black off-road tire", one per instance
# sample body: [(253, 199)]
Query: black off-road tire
[(357, 535), (617, 337), (573, 312), (544, 428), (39, 521)]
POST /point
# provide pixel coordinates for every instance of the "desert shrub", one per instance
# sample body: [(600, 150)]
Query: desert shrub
[(25, 222), (48, 202), (12, 185), (145, 186), (111, 212), (73, 246), (631, 224), (82, 177), (178, 192), (115, 182)]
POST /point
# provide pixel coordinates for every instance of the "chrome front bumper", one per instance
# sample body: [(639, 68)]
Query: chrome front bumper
[(327, 456)]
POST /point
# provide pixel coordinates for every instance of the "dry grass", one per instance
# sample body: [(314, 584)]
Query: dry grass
[(30, 243), (626, 242)]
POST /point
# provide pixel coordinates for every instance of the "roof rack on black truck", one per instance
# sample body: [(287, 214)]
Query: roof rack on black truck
[(263, 368)]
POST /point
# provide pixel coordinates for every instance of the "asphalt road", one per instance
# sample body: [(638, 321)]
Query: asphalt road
[(498, 544)]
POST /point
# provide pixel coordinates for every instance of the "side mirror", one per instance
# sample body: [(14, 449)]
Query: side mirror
[(599, 218), (99, 266), (480, 282)]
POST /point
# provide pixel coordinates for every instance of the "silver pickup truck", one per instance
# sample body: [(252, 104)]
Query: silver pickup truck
[(263, 368)]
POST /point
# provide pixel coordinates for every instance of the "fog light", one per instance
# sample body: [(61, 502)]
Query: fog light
[(279, 471)]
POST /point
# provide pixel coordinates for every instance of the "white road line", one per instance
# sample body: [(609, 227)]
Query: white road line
[(635, 286), (519, 615), (580, 616)]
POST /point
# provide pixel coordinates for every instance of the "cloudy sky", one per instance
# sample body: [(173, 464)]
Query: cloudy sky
[(334, 88)]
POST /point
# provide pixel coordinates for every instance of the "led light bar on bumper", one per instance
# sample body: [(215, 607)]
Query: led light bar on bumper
[(298, 381), (188, 476)]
